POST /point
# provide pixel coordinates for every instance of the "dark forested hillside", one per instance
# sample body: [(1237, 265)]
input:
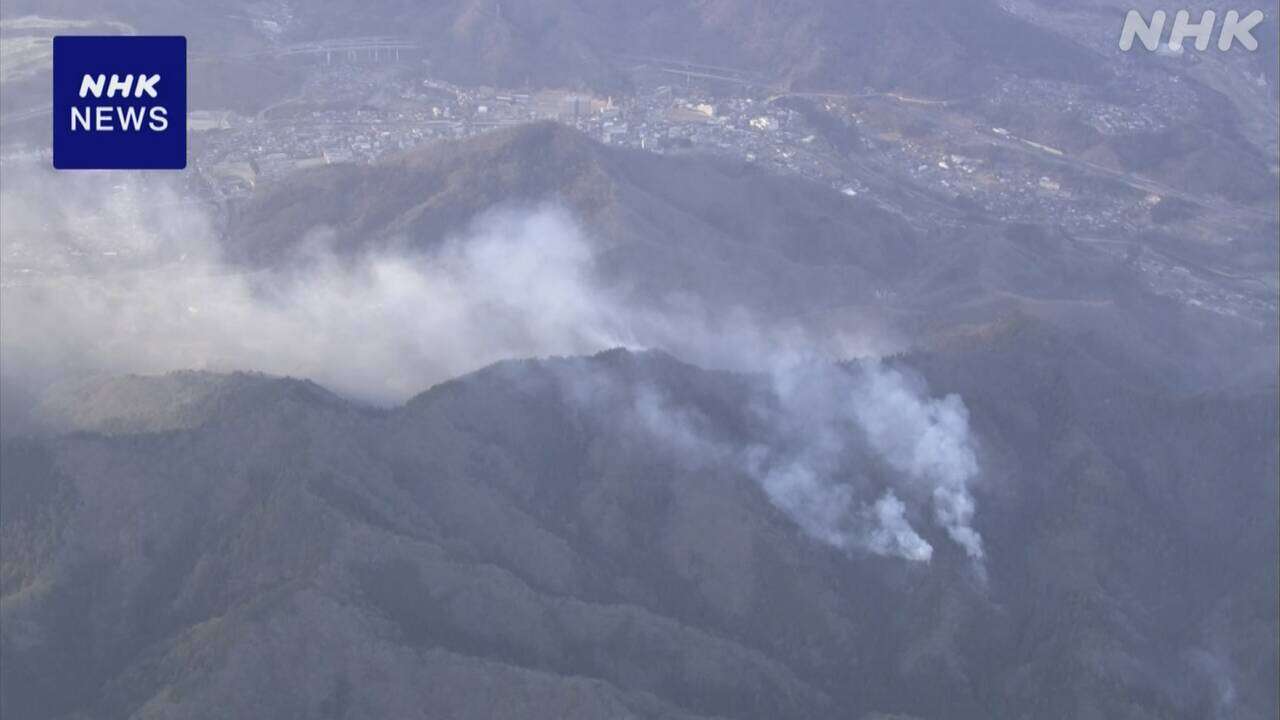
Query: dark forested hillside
[(501, 546)]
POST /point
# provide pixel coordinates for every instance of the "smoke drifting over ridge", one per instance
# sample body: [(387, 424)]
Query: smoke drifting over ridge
[(520, 282), (380, 328)]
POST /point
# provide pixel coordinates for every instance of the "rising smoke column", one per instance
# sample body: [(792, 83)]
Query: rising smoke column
[(820, 414), (928, 440)]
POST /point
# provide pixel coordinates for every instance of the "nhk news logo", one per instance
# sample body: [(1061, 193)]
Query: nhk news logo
[(119, 102)]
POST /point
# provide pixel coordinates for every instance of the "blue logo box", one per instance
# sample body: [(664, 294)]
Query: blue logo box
[(119, 102)]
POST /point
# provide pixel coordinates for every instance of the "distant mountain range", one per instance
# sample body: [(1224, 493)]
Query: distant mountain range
[(952, 48), (1214, 117)]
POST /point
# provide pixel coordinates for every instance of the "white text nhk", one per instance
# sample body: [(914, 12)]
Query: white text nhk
[(1234, 27), (108, 118)]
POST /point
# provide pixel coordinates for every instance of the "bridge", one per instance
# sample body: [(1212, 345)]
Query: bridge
[(354, 48), (689, 70)]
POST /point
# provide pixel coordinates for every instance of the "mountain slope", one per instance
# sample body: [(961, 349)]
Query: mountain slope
[(514, 542), (732, 235)]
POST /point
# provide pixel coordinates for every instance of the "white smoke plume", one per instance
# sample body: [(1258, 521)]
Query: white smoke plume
[(928, 440), (117, 273), (380, 328), (893, 535), (822, 411)]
